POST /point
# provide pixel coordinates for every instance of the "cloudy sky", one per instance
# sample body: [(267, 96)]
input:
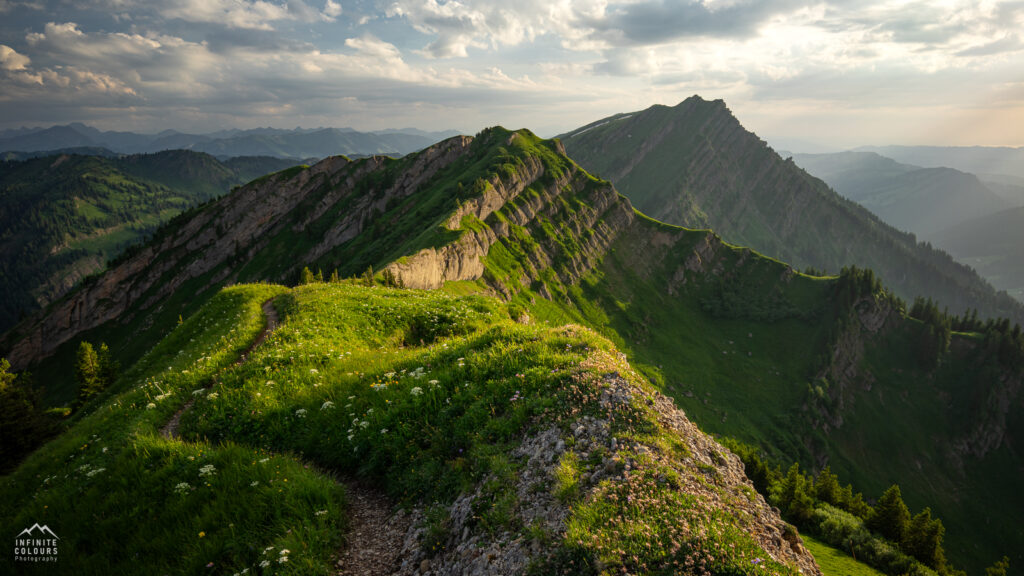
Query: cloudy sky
[(836, 72)]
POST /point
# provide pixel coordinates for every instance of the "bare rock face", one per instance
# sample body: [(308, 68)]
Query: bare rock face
[(596, 224)]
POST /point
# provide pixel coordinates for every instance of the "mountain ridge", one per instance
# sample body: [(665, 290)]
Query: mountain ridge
[(748, 346), (695, 165)]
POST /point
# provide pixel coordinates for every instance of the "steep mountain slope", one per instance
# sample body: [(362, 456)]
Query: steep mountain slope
[(919, 200), (992, 245), (64, 216), (694, 165), (814, 369)]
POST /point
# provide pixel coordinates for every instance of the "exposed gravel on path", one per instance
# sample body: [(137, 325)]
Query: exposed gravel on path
[(376, 534)]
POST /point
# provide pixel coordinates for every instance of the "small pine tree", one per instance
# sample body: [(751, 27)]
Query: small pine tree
[(924, 539), (307, 276), (826, 487), (319, 275), (108, 367), (334, 277), (891, 518), (368, 276), (87, 373), (793, 495)]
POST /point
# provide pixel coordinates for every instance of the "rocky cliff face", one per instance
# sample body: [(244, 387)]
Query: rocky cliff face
[(215, 242), (271, 228)]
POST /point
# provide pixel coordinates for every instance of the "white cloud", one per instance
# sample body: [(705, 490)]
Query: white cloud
[(332, 10), (11, 60), (255, 15)]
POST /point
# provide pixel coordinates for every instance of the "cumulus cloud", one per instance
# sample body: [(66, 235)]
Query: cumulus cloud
[(11, 60), (332, 9), (254, 14)]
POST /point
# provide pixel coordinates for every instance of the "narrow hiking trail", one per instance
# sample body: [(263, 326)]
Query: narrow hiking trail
[(375, 537), (170, 430)]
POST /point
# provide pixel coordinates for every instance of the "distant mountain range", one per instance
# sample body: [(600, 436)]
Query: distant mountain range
[(919, 200), (298, 143), (977, 219), (975, 159), (993, 246)]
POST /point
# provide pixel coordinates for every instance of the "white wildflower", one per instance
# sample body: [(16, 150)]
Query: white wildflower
[(198, 391), (182, 487), (94, 472), (300, 413), (264, 563), (207, 470), (327, 405), (282, 559), (150, 406), (212, 396), (254, 483), (284, 552), (416, 391), (364, 424)]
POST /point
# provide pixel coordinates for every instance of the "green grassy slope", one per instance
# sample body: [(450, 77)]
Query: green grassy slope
[(741, 342), (834, 562), (124, 499), (424, 393)]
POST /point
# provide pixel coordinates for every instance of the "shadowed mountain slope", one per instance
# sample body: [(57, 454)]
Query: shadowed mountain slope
[(695, 165)]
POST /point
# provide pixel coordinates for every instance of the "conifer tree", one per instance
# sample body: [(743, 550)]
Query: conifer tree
[(108, 367), (368, 276), (334, 277), (891, 518), (924, 539), (87, 372), (307, 276), (793, 495), (826, 487)]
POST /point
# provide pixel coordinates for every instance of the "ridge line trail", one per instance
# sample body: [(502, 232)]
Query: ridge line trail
[(374, 539), (376, 534), (170, 430)]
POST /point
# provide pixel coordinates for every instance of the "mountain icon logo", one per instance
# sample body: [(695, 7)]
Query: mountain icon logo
[(43, 530)]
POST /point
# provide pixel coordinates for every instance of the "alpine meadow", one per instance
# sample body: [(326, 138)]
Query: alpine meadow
[(651, 333)]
